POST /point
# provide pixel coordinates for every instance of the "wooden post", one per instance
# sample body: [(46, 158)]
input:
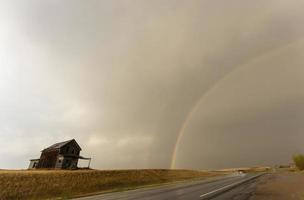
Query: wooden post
[(89, 163)]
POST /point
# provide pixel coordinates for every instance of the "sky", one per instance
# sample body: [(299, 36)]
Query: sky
[(197, 84)]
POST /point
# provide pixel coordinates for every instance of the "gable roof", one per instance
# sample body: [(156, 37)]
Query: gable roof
[(60, 144)]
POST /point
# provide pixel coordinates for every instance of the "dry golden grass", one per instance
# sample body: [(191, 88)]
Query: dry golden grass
[(47, 184)]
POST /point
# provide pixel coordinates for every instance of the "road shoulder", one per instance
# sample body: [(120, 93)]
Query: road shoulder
[(280, 186)]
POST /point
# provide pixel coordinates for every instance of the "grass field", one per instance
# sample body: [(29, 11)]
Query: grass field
[(52, 184)]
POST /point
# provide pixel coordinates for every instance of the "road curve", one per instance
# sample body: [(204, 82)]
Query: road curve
[(237, 187)]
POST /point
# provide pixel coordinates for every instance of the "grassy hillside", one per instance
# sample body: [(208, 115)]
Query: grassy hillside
[(42, 184)]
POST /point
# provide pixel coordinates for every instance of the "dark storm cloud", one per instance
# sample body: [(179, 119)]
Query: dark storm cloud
[(122, 76)]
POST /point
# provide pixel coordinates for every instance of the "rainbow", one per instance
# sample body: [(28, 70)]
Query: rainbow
[(184, 125), (189, 116)]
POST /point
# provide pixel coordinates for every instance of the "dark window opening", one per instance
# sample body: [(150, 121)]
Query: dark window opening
[(67, 149)]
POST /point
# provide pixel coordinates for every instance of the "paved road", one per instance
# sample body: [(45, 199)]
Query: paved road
[(235, 187)]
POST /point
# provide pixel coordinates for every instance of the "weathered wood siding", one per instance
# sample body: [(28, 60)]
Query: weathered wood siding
[(48, 159), (59, 162), (70, 150), (61, 157)]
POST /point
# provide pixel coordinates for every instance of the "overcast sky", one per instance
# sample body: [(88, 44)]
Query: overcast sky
[(153, 84)]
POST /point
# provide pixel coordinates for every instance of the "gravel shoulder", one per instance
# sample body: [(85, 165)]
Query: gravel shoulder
[(280, 186)]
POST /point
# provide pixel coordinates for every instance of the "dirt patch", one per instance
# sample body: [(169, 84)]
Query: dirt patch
[(280, 186)]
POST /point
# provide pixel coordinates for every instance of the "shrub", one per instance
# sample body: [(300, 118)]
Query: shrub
[(299, 161)]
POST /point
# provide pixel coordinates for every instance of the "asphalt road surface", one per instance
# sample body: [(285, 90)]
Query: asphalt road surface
[(233, 187)]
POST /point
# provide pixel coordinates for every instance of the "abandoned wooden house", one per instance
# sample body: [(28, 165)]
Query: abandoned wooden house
[(63, 155)]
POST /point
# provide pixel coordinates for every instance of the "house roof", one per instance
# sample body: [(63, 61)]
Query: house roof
[(60, 144), (34, 159)]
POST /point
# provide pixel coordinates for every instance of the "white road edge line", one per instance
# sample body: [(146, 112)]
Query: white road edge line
[(219, 189)]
